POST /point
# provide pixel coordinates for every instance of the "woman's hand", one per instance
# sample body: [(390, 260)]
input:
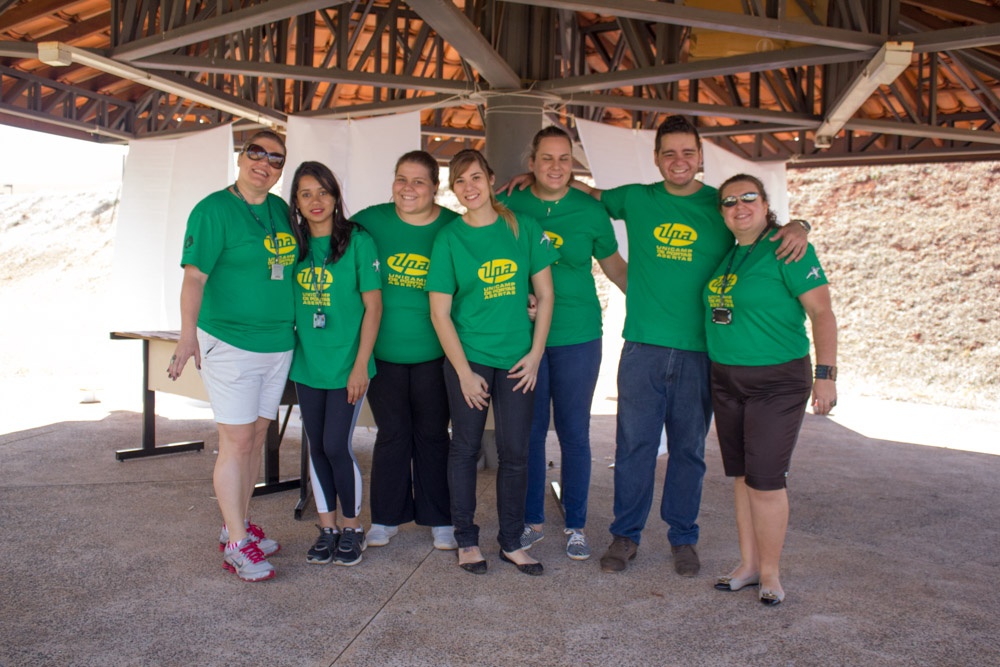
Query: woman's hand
[(532, 307), (475, 391), (518, 182), (527, 370), (187, 347), (824, 396), (357, 384), (794, 242)]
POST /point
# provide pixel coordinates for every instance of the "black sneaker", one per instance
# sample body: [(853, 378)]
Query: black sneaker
[(326, 544), (349, 548)]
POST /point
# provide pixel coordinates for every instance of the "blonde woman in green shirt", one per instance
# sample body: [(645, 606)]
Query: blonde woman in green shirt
[(481, 269)]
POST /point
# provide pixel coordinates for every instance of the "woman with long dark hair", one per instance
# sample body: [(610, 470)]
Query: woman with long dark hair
[(338, 305), (481, 268), (409, 476)]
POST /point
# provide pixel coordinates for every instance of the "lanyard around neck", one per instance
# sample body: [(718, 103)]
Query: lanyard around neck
[(270, 218), (315, 279), (725, 276)]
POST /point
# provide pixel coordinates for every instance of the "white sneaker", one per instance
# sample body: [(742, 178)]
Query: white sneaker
[(444, 538), (379, 535)]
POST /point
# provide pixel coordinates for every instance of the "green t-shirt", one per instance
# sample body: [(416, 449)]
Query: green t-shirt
[(242, 305), (674, 244), (580, 229), (768, 320), (488, 272), (325, 356), (406, 335)]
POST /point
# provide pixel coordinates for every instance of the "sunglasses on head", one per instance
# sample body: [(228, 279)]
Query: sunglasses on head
[(746, 198), (257, 153)]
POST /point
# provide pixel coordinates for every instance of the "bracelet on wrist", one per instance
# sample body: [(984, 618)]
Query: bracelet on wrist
[(804, 223), (824, 372)]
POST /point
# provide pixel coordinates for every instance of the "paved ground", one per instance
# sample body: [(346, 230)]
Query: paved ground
[(892, 557)]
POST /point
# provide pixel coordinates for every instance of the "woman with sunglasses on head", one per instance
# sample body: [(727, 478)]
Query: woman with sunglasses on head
[(237, 324), (409, 475), (338, 305), (762, 376), (567, 376), (482, 266)]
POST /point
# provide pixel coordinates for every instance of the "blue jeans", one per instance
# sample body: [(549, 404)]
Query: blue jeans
[(567, 377), (657, 387)]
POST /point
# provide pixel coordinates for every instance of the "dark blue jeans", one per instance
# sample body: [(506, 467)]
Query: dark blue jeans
[(657, 387), (512, 419), (409, 479), (567, 377)]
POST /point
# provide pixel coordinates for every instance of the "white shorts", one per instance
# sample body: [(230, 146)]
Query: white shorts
[(242, 385)]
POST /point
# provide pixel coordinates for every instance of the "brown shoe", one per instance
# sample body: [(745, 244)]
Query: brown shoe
[(621, 551), (686, 561)]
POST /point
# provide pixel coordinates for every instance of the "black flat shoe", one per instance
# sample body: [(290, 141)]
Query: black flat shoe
[(770, 598), (478, 567), (531, 569)]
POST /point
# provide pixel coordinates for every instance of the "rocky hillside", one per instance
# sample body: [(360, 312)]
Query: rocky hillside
[(913, 256)]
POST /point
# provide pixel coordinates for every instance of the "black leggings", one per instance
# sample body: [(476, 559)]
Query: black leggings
[(329, 423)]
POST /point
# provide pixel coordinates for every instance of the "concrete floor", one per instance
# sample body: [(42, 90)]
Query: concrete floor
[(892, 558)]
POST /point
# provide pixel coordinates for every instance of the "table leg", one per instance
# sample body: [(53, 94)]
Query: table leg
[(149, 447)]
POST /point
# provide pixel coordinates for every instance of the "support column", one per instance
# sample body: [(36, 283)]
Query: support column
[(511, 124)]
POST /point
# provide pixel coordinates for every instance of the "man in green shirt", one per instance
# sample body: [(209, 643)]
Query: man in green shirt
[(676, 238)]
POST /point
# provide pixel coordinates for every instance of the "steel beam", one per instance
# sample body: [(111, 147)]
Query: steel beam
[(804, 121), (662, 12), (219, 26), (889, 127), (949, 39), (302, 73), (62, 54), (449, 22), (753, 62)]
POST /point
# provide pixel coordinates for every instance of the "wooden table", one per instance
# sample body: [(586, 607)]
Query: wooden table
[(157, 349)]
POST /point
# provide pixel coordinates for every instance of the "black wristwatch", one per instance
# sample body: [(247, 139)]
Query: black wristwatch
[(826, 372), (805, 224)]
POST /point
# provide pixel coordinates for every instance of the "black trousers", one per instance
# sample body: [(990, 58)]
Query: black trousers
[(409, 478), (512, 412)]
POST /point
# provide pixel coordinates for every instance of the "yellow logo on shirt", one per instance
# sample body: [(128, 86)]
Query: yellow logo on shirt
[(310, 279), (555, 239), (675, 234), (286, 243), (497, 271), (409, 263), (716, 284)]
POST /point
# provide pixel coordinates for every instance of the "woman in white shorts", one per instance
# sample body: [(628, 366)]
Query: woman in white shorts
[(237, 320)]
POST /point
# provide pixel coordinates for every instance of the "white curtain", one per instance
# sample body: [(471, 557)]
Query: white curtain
[(361, 153), (163, 180)]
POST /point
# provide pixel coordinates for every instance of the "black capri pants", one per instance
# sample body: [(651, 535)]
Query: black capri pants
[(758, 414)]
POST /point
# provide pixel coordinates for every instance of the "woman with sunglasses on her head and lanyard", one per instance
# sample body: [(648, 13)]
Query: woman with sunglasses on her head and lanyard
[(481, 269), (409, 476), (762, 376), (338, 305), (567, 376), (237, 324)]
